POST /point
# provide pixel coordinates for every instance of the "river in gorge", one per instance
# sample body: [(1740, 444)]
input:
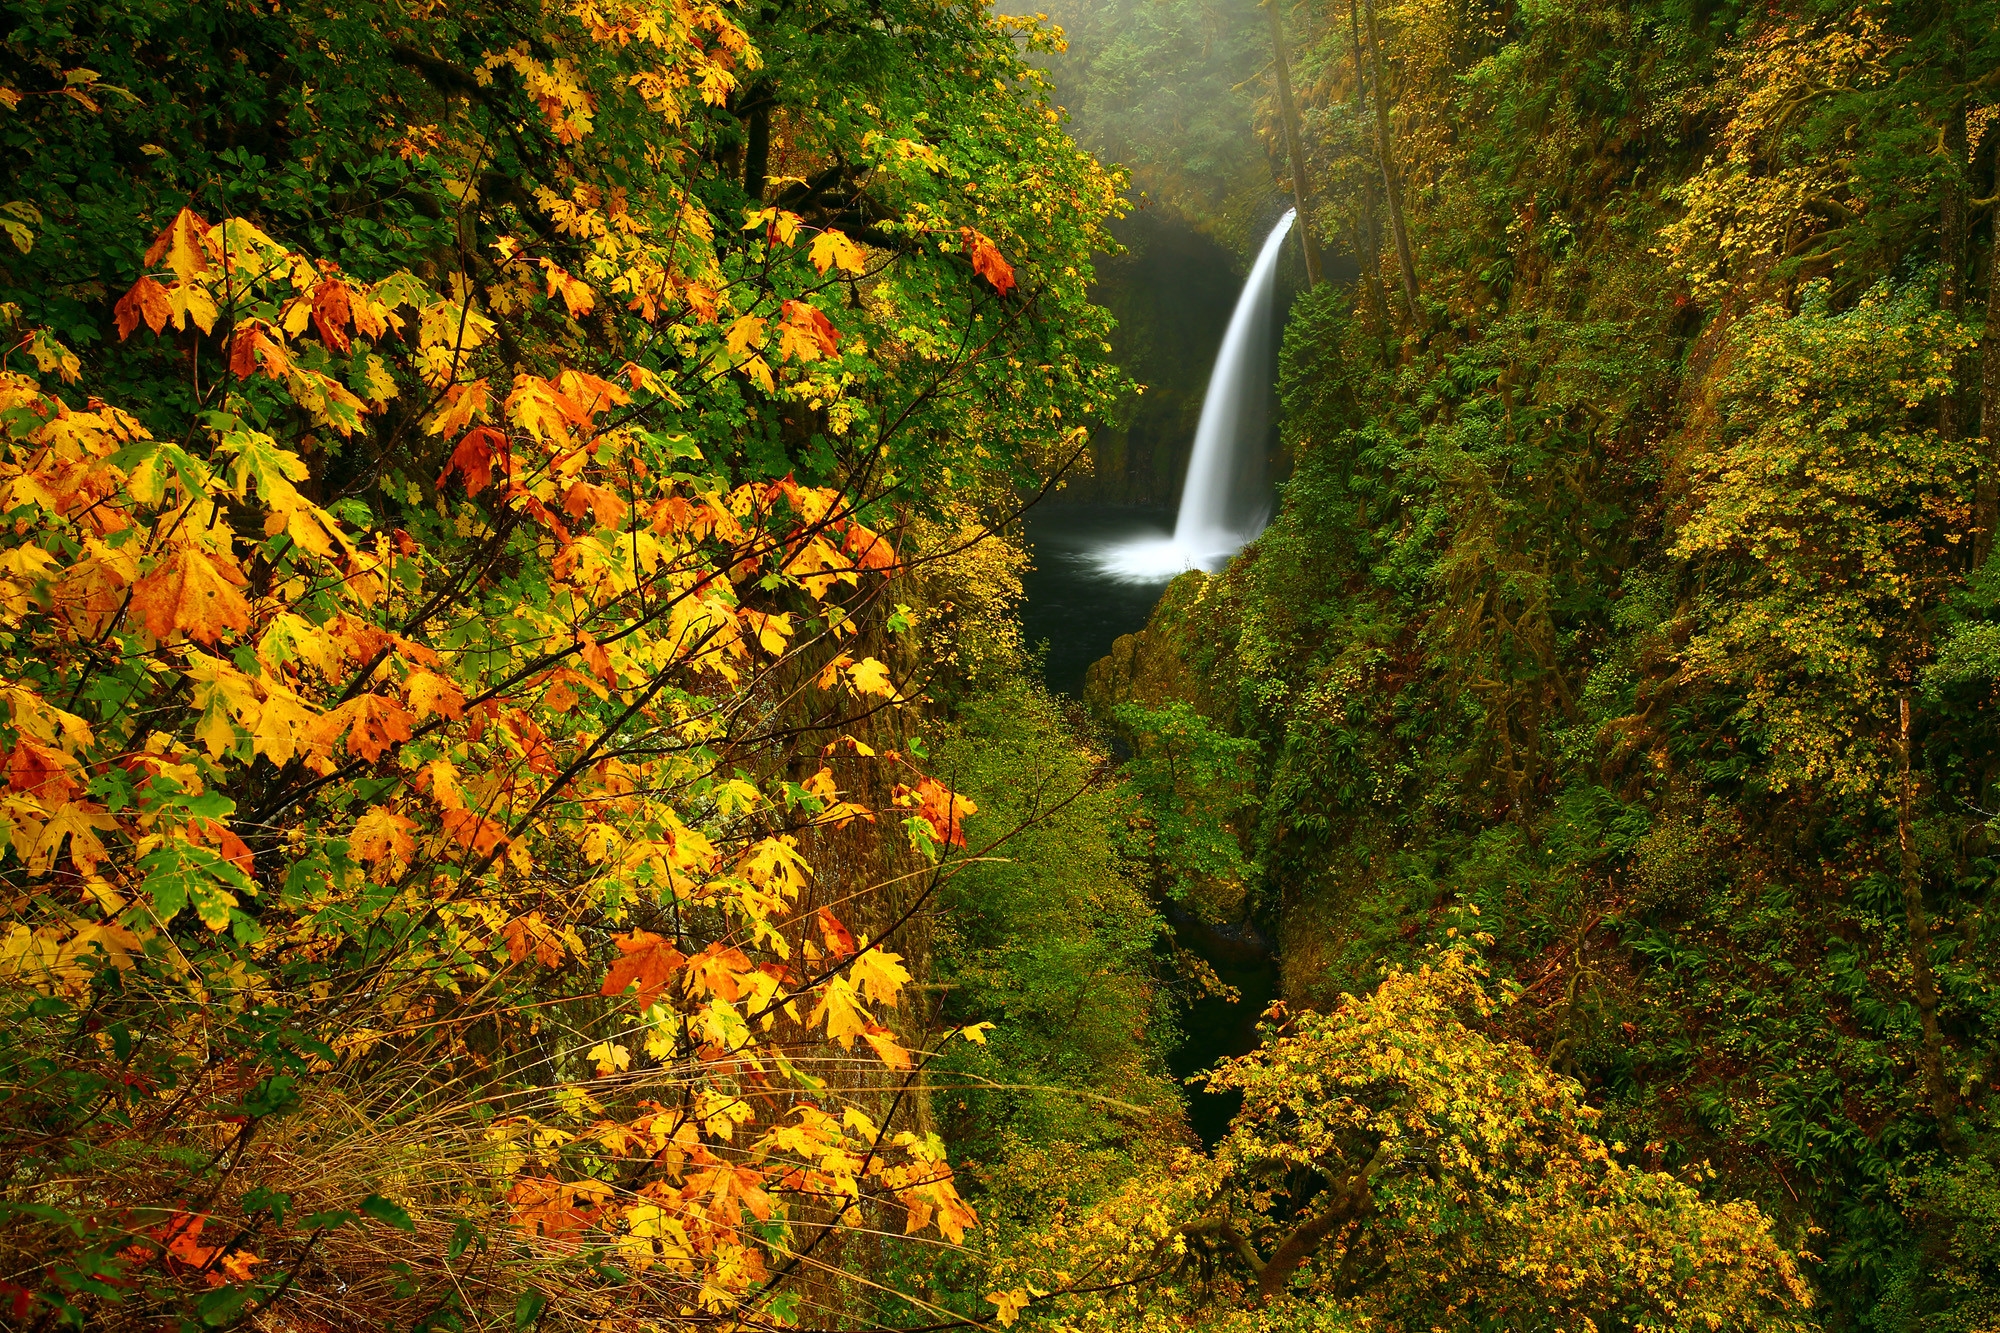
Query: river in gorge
[(1099, 568)]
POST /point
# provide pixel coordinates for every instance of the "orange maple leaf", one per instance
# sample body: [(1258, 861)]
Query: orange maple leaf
[(383, 835), (604, 504), (40, 771), (548, 1207), (374, 723), (534, 742), (331, 313), (648, 959), (236, 1265), (193, 593), (719, 971), (887, 1049), (473, 832), (870, 549), (598, 660), (987, 261), (180, 1235), (253, 350), (701, 300), (147, 300), (473, 459), (221, 837), (806, 333), (942, 808), (531, 934), (839, 940)]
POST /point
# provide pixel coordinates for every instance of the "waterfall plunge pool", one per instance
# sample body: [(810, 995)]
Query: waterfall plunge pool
[(1071, 605)]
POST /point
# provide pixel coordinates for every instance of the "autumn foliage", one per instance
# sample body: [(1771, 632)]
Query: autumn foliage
[(429, 676)]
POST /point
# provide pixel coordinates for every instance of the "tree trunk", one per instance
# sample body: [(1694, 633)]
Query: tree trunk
[(1391, 183), (1953, 221), (1986, 512), (1295, 147), (1923, 983), (1368, 227), (757, 151)]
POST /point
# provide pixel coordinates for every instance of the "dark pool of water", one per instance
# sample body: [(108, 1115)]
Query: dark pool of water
[(1071, 607)]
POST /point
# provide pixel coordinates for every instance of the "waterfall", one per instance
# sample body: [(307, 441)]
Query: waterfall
[(1224, 502)]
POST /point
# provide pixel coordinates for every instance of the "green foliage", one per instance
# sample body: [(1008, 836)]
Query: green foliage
[(1158, 86), (1828, 519), (1194, 784), (1597, 588), (1053, 941)]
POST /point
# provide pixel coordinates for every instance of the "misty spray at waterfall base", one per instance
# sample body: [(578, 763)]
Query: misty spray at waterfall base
[(1226, 498)]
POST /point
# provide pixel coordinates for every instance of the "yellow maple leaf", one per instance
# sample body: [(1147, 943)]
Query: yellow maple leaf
[(281, 724), (871, 677), (1011, 1304), (609, 1056), (181, 245), (773, 631), (463, 405), (879, 974), (192, 301), (536, 407), (832, 247), (775, 863), (747, 332), (383, 835), (78, 823), (844, 1016)]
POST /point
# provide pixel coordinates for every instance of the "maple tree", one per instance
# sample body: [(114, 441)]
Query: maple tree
[(1393, 1166), (440, 651)]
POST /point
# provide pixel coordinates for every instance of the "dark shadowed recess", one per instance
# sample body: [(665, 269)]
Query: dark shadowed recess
[(1171, 293)]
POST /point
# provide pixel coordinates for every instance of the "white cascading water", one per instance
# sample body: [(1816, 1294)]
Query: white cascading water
[(1223, 502)]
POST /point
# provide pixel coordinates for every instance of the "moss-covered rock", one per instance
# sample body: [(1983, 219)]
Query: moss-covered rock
[(1186, 654)]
